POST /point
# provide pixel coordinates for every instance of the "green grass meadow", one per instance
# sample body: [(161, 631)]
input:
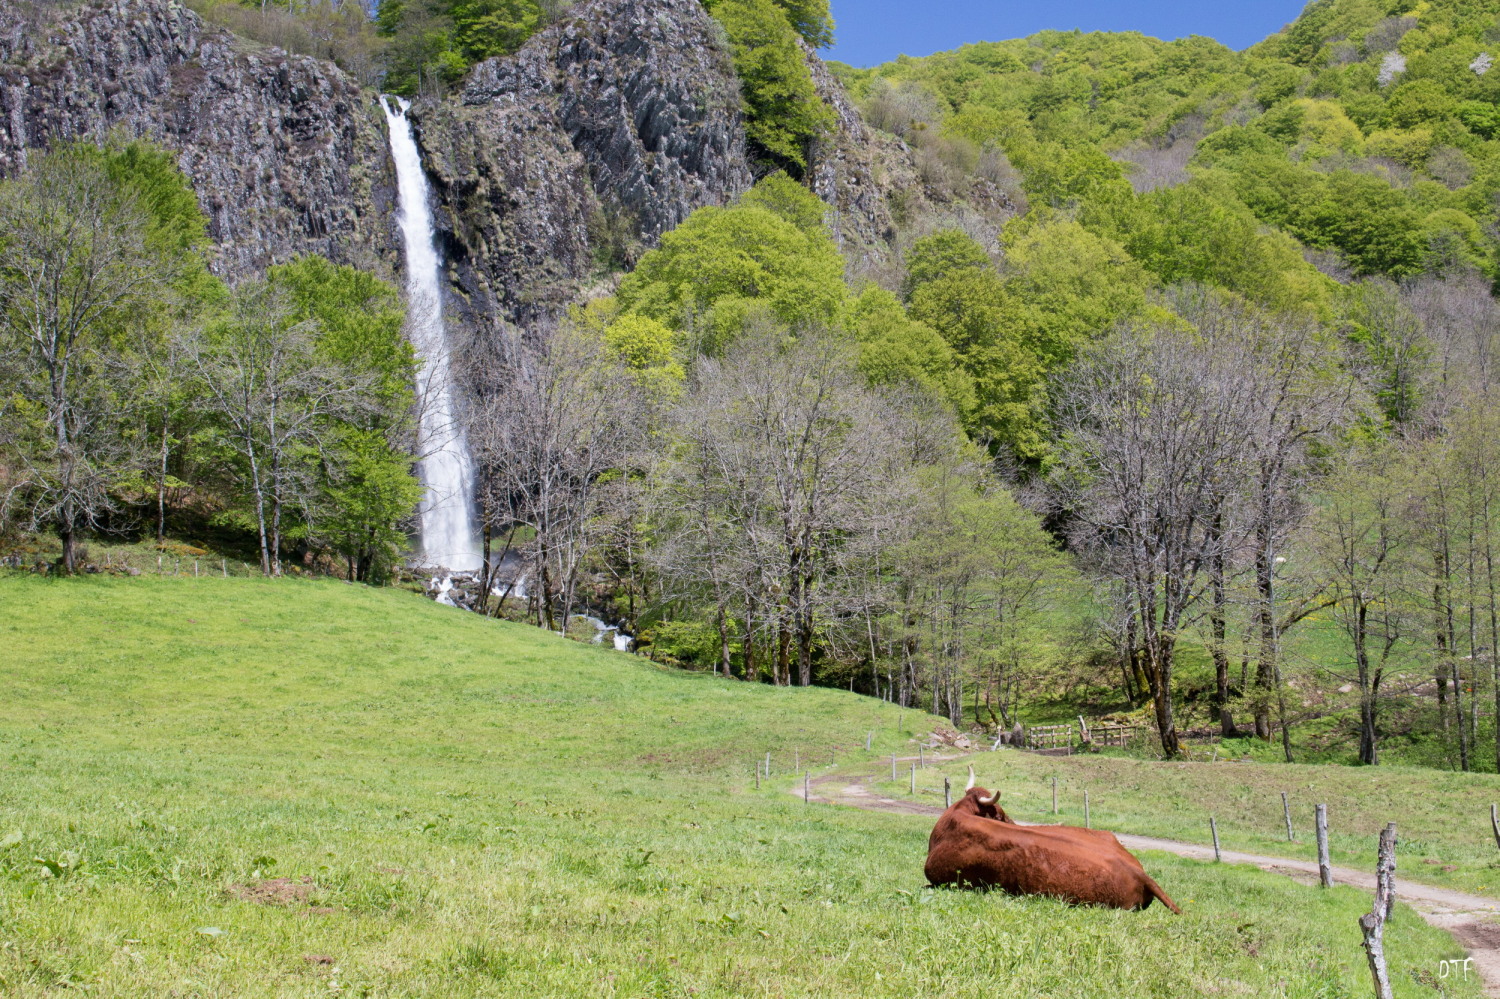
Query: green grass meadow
[(463, 807)]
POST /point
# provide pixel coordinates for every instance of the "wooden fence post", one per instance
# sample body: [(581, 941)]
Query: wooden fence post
[(1495, 824), (922, 756), (768, 766), (913, 778), (1286, 810), (224, 567), (797, 759), (947, 793), (1054, 795), (1213, 828), (868, 737), (757, 774), (1087, 822), (806, 789), (1325, 869), (1372, 923)]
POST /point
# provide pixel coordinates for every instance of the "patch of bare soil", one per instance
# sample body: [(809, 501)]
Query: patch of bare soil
[(1478, 935), (276, 891)]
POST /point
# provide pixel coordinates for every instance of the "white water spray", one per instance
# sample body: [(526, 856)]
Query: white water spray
[(446, 469)]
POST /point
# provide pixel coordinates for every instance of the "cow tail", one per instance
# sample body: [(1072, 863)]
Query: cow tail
[(1156, 890)]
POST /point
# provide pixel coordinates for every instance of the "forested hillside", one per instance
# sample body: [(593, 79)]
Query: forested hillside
[(1076, 373)]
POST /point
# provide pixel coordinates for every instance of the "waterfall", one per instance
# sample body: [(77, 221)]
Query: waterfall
[(447, 471)]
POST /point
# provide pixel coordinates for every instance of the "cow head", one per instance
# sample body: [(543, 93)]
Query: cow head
[(980, 802)]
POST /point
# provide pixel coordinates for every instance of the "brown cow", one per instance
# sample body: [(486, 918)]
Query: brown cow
[(975, 844)]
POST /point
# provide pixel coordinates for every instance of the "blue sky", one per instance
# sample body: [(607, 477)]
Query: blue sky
[(875, 31)]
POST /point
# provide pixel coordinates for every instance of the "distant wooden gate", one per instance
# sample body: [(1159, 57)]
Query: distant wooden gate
[(1040, 737), (1049, 736), (1113, 735)]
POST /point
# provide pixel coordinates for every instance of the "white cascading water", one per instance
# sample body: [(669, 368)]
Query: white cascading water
[(447, 470)]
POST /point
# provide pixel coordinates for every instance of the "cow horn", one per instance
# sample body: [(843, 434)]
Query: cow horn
[(971, 779), (990, 800)]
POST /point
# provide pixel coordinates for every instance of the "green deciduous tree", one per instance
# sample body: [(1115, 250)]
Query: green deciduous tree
[(940, 254), (275, 406), (896, 349), (87, 258), (364, 486), (723, 262), (782, 107)]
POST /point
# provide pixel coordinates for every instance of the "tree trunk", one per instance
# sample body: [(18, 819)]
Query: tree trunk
[(1369, 750), (161, 486), (1128, 661), (1440, 635), (1159, 674), (68, 537), (805, 635), (1219, 709), (783, 646), (1265, 670), (722, 619), (751, 606), (486, 569), (260, 511)]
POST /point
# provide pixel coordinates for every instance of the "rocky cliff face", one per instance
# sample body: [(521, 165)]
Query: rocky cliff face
[(628, 106), (627, 112), (287, 155)]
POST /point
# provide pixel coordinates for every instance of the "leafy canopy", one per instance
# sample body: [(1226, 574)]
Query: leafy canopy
[(708, 272), (783, 111)]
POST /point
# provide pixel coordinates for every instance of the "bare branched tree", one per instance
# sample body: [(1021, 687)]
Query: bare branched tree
[(1156, 432), (1298, 397), (793, 474), (562, 419), (1364, 536)]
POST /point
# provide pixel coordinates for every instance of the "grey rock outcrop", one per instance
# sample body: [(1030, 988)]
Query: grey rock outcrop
[(625, 106), (286, 153)]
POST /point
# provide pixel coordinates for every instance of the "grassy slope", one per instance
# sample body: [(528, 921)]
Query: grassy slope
[(487, 810)]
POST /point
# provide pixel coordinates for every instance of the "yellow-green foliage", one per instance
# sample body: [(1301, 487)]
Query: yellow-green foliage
[(1074, 284), (1326, 128), (783, 111), (894, 348), (649, 350), (1406, 146), (1056, 102), (724, 263)]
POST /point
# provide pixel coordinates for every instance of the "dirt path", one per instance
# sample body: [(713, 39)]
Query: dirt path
[(1472, 919)]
